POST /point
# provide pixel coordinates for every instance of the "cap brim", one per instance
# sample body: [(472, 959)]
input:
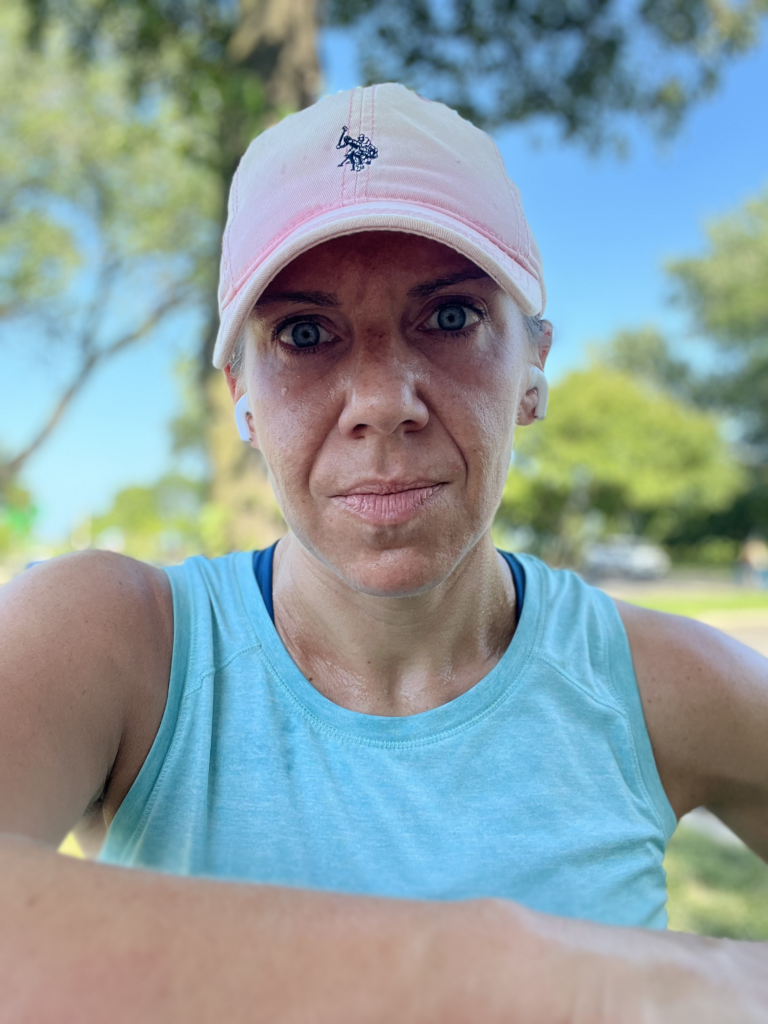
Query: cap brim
[(410, 218)]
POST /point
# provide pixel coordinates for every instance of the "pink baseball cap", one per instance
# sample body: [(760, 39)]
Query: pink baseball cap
[(379, 158)]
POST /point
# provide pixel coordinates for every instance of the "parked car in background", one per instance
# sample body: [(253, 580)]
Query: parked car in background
[(625, 557)]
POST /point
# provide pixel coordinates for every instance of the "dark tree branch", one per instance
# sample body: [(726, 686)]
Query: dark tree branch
[(94, 358)]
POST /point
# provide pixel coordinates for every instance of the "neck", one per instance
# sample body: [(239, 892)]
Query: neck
[(393, 655)]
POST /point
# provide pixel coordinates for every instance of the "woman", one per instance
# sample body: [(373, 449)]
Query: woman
[(383, 705)]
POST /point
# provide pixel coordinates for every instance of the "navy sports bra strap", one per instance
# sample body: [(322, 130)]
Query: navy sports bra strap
[(518, 578), (262, 570)]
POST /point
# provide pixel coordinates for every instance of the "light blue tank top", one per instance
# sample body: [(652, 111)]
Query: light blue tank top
[(538, 784)]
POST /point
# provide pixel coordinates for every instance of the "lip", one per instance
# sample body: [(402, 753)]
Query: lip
[(388, 503), (387, 486)]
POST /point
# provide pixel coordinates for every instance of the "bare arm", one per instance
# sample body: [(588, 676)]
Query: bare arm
[(705, 698), (85, 653), (80, 942)]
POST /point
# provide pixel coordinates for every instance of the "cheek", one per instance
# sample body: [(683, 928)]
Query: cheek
[(482, 406), (291, 424)]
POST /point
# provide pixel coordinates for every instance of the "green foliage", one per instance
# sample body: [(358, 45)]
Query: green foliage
[(159, 523), (702, 602), (645, 356), (17, 516), (716, 889), (726, 291), (616, 446), (85, 173), (203, 54), (726, 288), (577, 63), (580, 64), (107, 227)]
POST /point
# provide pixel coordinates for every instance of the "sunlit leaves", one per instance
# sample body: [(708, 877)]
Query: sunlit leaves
[(644, 460)]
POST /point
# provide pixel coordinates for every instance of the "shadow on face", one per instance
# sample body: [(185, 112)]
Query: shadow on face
[(385, 372)]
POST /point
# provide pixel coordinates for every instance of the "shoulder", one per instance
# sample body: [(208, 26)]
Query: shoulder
[(85, 653), (705, 699), (96, 599), (89, 592)]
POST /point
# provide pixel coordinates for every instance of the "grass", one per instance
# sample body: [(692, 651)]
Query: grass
[(699, 604), (715, 889)]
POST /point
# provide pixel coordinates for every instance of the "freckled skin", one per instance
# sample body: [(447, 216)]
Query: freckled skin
[(402, 615)]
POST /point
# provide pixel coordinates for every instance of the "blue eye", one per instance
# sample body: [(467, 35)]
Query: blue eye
[(304, 334), (451, 318)]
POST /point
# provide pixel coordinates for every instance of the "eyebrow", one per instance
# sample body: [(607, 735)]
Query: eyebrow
[(328, 299), (300, 298), (422, 291)]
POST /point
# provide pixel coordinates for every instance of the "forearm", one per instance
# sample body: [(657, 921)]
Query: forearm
[(80, 942), (634, 976)]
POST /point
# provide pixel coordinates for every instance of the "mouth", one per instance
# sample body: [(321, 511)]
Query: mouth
[(388, 503)]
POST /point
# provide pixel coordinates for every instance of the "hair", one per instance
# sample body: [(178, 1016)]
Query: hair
[(532, 326), (238, 356)]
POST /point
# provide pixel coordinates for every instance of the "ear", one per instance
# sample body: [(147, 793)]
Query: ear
[(544, 342), (242, 417), (243, 414), (231, 381), (534, 403)]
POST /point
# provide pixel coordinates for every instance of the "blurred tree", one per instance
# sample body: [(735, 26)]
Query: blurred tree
[(614, 455), (577, 62), (17, 515), (157, 523), (229, 68), (107, 229), (645, 356), (726, 290)]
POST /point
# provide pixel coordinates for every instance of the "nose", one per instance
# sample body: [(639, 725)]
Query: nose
[(382, 395)]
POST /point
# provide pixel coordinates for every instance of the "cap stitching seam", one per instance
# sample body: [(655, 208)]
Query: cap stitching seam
[(361, 115), (373, 139), (344, 166)]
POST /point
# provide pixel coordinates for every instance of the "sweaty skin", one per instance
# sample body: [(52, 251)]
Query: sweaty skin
[(387, 439)]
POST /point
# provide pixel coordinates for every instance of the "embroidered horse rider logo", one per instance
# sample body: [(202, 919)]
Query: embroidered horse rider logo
[(360, 151)]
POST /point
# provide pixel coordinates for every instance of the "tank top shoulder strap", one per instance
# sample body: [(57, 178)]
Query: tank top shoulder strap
[(583, 637)]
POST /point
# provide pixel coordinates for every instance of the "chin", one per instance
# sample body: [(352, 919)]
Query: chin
[(400, 572), (384, 565)]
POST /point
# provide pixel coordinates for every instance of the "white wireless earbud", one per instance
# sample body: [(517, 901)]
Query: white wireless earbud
[(241, 412), (537, 381)]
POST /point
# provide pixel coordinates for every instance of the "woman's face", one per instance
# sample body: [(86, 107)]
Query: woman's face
[(385, 373)]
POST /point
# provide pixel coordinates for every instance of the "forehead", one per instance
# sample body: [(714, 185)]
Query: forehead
[(387, 256)]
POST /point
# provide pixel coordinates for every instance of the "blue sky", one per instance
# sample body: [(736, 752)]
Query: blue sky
[(605, 227)]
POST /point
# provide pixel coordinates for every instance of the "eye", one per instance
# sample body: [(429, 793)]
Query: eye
[(304, 334), (453, 317)]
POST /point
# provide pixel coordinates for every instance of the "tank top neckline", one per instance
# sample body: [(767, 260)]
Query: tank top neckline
[(455, 715)]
